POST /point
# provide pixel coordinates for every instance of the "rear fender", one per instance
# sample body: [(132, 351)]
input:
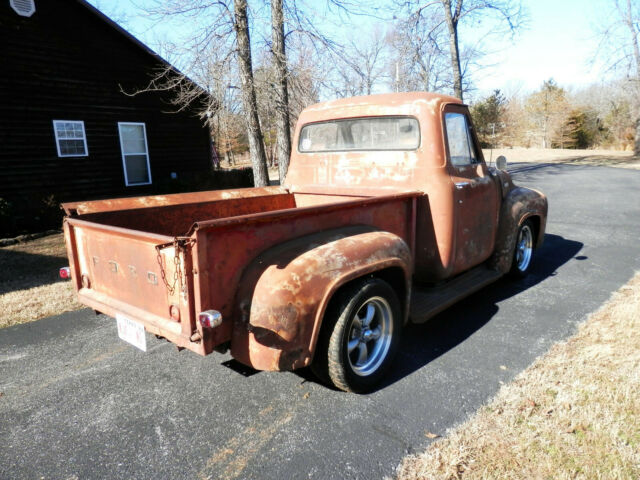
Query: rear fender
[(518, 205), (285, 291)]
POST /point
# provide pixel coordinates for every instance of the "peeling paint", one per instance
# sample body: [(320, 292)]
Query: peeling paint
[(287, 319)]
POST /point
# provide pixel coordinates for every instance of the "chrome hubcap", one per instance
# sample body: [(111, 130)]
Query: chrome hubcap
[(370, 336), (524, 248)]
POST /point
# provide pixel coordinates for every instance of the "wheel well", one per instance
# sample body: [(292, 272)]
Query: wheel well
[(535, 222), (394, 276)]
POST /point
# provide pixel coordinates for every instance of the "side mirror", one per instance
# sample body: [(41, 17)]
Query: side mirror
[(501, 162)]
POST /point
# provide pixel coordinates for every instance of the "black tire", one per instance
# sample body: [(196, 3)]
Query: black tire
[(523, 251), (359, 337)]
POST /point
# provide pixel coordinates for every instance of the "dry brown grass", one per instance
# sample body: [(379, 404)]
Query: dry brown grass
[(574, 414), (30, 288), (603, 158)]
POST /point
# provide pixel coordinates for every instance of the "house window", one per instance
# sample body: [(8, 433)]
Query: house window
[(135, 154), (24, 8), (71, 140)]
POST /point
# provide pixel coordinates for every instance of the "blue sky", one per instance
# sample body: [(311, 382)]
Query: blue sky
[(558, 43)]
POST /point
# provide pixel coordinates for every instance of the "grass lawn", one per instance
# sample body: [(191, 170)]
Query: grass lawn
[(30, 287), (600, 158), (574, 414)]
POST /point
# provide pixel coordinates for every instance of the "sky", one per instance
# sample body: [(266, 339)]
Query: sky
[(558, 42)]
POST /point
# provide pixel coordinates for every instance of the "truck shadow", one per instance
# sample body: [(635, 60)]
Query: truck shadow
[(573, 161), (527, 172), (423, 343), (21, 270), (524, 172)]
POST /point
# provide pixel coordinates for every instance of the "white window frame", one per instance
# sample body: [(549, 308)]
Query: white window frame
[(124, 161), (18, 7), (58, 139)]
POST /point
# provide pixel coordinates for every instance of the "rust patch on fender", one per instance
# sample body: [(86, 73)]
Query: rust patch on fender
[(288, 288), (519, 204)]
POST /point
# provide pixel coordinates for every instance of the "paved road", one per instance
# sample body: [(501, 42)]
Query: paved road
[(79, 403)]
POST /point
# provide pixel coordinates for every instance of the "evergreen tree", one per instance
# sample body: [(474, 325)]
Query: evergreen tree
[(488, 119)]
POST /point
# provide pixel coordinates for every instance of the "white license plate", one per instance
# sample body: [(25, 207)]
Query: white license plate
[(132, 332)]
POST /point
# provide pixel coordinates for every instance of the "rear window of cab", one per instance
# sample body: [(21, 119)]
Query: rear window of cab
[(365, 133)]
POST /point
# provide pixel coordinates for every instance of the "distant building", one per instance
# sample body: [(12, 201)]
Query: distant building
[(66, 127)]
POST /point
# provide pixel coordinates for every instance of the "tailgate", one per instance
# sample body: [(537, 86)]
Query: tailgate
[(141, 276)]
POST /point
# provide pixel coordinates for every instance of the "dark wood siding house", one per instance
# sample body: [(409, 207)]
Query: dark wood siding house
[(67, 130)]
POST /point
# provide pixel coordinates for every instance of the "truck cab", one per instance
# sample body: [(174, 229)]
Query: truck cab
[(408, 142)]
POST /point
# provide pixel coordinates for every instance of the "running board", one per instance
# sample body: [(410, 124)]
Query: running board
[(428, 301)]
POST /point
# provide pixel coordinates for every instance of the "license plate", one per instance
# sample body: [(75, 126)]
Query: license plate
[(132, 332)]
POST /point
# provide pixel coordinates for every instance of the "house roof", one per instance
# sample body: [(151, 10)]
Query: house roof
[(140, 45), (97, 13)]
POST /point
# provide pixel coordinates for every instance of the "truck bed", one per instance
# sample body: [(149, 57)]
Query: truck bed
[(143, 257), (176, 215)]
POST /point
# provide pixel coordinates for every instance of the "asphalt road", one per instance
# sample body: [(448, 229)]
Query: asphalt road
[(77, 402)]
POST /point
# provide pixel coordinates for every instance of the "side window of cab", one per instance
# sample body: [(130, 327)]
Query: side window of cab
[(461, 148)]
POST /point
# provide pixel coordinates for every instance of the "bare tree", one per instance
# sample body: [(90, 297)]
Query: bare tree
[(503, 15), (452, 18), (631, 20), (305, 77), (360, 66), (283, 133), (516, 128), (366, 58), (417, 60), (219, 35), (225, 120), (287, 87), (621, 50), (254, 132), (317, 27)]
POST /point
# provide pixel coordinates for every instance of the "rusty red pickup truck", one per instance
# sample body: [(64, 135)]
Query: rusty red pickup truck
[(388, 214)]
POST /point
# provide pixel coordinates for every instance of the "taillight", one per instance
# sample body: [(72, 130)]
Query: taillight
[(65, 272), (210, 318)]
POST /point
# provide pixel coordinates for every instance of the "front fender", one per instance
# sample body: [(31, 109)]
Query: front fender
[(285, 291), (518, 204)]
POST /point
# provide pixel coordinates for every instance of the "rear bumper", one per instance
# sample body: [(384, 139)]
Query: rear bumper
[(155, 324)]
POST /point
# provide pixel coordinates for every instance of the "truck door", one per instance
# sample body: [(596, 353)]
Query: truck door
[(475, 195)]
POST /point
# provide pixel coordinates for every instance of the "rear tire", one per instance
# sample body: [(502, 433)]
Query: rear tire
[(360, 336), (523, 253)]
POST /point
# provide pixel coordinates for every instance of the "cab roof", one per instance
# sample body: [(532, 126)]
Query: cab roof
[(406, 103)]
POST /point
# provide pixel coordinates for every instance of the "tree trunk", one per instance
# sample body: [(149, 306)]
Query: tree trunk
[(256, 146), (629, 22), (283, 134), (452, 24)]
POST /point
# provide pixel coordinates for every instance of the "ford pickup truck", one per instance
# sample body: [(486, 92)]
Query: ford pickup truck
[(388, 214)]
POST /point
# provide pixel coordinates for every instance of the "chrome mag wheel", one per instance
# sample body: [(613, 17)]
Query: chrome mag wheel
[(369, 336), (524, 248)]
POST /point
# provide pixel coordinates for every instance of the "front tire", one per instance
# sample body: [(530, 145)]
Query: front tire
[(360, 337), (523, 254)]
